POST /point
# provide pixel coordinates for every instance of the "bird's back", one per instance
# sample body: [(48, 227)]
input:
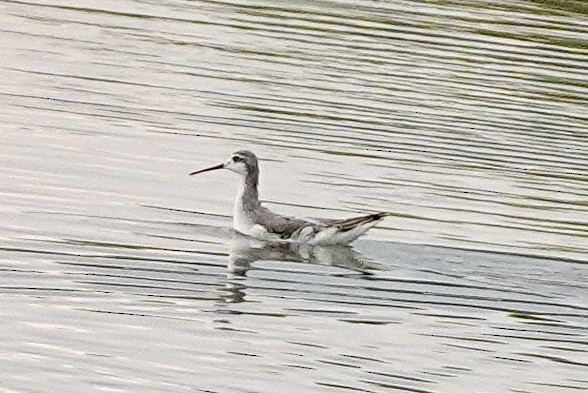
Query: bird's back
[(317, 232), (282, 226)]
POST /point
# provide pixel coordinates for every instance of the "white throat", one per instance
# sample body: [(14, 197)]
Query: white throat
[(241, 220)]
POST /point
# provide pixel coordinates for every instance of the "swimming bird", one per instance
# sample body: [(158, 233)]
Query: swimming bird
[(252, 219)]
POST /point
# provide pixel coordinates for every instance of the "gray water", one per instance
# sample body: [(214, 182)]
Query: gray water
[(465, 119)]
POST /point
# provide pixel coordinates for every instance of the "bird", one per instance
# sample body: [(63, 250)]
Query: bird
[(252, 219)]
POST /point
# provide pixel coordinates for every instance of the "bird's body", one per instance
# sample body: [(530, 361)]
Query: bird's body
[(252, 219)]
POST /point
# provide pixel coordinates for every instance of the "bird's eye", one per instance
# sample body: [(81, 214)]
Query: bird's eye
[(237, 159)]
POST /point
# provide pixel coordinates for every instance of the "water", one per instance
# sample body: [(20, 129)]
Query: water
[(466, 120)]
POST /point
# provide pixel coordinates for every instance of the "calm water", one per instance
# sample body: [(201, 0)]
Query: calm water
[(465, 119)]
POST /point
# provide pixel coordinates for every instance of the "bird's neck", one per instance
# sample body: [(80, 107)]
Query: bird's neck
[(248, 196)]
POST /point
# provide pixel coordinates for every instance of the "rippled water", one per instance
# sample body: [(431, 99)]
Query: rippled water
[(466, 120)]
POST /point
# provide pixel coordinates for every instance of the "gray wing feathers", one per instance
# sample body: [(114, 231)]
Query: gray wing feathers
[(285, 227), (280, 225)]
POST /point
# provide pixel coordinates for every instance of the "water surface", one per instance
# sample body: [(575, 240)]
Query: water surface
[(466, 120)]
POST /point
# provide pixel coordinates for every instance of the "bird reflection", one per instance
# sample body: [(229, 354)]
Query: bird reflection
[(245, 250)]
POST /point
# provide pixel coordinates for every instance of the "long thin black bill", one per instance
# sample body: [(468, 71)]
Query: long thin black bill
[(212, 168)]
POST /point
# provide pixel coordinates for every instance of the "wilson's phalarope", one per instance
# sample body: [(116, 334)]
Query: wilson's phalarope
[(252, 219)]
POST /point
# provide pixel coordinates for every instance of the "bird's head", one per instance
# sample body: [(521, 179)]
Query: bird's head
[(243, 162)]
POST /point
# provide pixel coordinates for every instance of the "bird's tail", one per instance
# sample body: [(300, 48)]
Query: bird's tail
[(351, 223)]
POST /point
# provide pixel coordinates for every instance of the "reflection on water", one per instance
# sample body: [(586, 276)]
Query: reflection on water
[(465, 119), (246, 250)]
